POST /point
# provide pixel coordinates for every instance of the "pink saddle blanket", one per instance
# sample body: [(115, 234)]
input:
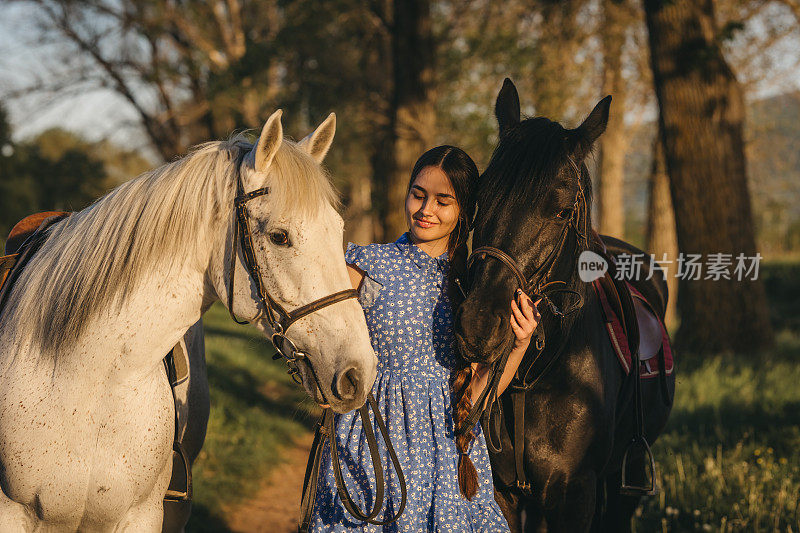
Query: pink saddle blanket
[(619, 340)]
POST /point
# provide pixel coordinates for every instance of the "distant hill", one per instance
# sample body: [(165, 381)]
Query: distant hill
[(773, 151)]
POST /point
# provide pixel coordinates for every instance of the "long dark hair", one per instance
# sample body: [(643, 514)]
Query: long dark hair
[(463, 175)]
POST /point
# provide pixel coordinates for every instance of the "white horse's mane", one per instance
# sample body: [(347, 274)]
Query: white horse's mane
[(94, 258)]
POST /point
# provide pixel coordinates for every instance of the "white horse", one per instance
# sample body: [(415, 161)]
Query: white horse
[(86, 413)]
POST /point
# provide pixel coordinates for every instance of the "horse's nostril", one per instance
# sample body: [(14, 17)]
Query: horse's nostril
[(346, 385)]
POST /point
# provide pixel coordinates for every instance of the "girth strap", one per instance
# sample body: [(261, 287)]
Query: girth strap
[(179, 455)]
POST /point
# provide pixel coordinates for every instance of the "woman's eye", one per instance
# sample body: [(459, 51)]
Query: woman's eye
[(442, 203), (280, 238), (564, 213), (418, 196)]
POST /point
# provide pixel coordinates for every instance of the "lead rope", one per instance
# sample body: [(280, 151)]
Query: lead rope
[(326, 432)]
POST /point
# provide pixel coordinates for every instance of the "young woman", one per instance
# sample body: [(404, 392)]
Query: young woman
[(404, 290)]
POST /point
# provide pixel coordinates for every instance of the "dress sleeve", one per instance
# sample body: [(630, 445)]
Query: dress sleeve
[(364, 257), (358, 256)]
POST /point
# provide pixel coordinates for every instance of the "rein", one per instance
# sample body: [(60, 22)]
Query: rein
[(280, 320)]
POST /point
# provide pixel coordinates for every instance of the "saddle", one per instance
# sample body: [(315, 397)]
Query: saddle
[(24, 240), (632, 322), (637, 333)]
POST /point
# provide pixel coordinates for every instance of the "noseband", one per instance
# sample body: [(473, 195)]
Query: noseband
[(280, 320)]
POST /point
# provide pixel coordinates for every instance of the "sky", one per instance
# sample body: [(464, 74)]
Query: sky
[(96, 114)]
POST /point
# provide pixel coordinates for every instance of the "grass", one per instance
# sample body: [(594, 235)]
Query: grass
[(729, 459), (256, 410)]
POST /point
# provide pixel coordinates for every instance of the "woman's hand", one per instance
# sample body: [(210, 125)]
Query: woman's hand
[(524, 319)]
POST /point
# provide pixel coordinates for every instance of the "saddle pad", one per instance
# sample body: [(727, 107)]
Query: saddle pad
[(616, 333)]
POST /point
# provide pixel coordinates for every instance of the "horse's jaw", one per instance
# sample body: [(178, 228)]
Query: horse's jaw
[(332, 355)]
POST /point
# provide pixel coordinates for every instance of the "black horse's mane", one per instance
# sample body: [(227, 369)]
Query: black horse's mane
[(526, 163)]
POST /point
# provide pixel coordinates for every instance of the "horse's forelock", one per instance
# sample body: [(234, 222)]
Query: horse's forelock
[(299, 186), (524, 166)]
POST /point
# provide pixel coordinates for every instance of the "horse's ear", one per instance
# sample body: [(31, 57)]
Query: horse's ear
[(593, 127), (318, 142), (506, 108), (269, 141)]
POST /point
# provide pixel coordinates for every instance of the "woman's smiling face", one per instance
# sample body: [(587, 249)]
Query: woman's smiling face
[(431, 208)]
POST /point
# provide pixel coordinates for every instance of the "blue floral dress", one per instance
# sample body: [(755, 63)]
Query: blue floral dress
[(404, 296)]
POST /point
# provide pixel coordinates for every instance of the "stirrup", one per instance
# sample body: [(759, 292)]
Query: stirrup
[(630, 489), (173, 495)]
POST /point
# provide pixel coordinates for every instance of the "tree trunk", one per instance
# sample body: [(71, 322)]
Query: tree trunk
[(702, 114), (359, 217), (613, 143), (411, 120), (661, 239)]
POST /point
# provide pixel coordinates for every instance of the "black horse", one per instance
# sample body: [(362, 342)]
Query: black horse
[(533, 222)]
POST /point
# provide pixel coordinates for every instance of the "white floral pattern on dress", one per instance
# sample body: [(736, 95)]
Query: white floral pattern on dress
[(411, 327)]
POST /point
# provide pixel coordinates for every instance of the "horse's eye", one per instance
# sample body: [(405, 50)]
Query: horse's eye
[(564, 213), (281, 238)]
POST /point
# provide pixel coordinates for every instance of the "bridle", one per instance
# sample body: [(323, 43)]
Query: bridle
[(280, 320), (543, 288), (537, 286)]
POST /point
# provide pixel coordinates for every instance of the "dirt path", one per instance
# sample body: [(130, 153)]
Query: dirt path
[(276, 506)]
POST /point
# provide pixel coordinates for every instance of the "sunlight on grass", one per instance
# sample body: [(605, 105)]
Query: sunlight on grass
[(730, 457)]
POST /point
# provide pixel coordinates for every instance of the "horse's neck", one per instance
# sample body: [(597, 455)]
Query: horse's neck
[(131, 340), (157, 315)]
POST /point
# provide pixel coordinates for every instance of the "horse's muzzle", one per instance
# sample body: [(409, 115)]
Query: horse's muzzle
[(485, 353)]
